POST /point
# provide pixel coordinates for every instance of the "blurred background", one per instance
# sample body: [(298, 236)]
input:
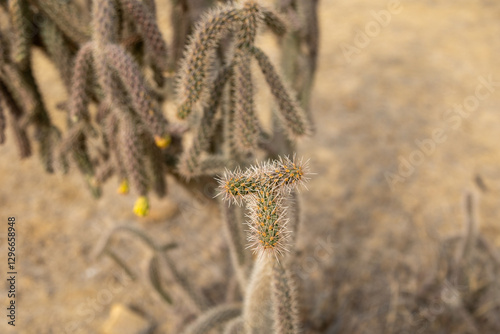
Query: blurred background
[(406, 103)]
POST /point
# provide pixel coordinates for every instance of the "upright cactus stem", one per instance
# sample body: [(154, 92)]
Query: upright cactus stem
[(270, 300), (286, 320)]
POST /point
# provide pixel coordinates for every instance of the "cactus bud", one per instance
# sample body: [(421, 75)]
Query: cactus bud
[(141, 206), (123, 188), (163, 142)]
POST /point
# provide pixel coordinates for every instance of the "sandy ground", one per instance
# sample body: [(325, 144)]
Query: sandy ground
[(365, 242)]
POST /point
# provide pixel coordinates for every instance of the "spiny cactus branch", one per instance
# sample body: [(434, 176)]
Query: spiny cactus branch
[(198, 56), (293, 115), (264, 187), (68, 17)]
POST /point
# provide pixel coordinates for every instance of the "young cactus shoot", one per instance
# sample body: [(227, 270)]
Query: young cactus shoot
[(265, 189)]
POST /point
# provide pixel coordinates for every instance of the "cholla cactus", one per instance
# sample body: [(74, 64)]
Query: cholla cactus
[(111, 53), (241, 21), (265, 188), (270, 303), (132, 111), (90, 47)]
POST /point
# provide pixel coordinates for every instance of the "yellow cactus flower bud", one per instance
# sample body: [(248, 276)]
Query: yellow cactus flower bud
[(123, 188), (141, 206), (163, 142)]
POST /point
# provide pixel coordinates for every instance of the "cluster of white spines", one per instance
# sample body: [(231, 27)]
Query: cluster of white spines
[(265, 188)]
